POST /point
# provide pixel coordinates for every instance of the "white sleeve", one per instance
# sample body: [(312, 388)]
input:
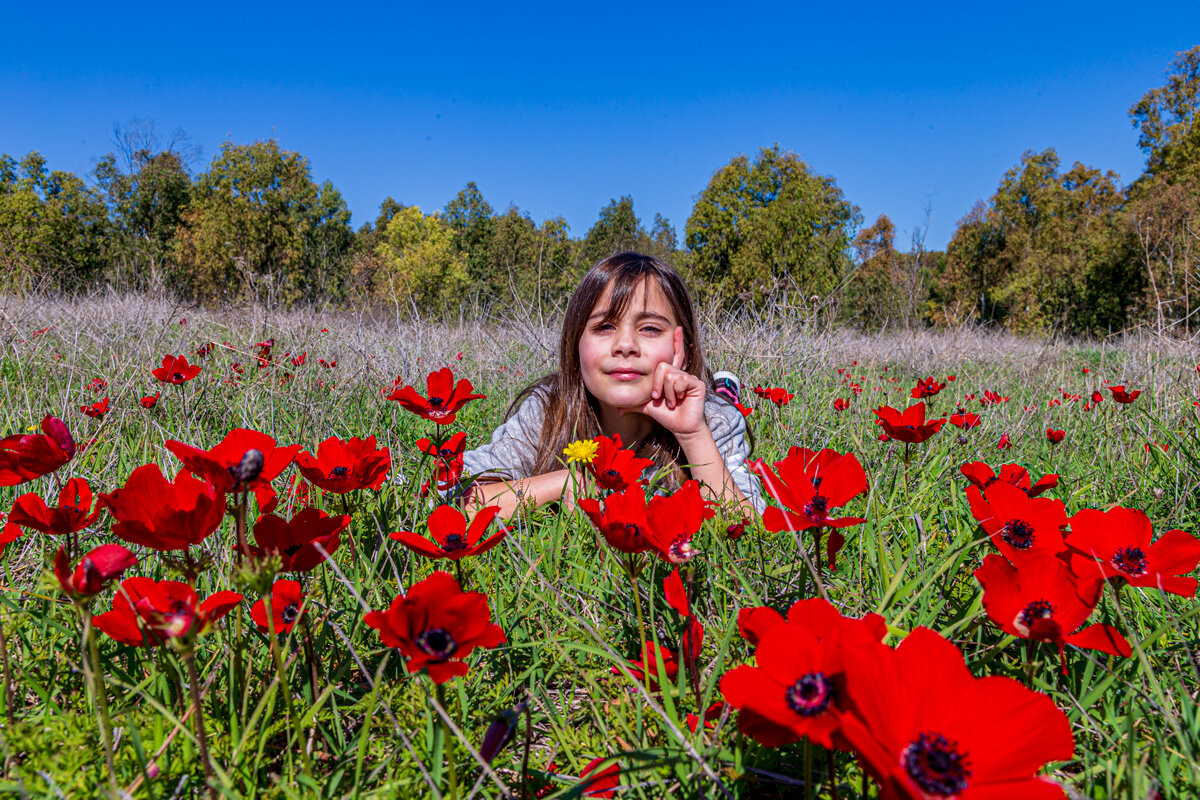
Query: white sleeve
[(728, 428), (513, 446)]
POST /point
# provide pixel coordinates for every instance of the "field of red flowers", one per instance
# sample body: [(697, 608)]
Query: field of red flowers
[(230, 571)]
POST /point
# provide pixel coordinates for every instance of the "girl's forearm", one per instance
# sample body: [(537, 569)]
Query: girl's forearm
[(707, 466), (538, 489)]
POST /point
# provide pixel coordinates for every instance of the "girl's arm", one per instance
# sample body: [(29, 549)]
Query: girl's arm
[(707, 466), (538, 489)]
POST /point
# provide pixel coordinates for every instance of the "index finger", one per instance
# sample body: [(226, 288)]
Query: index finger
[(677, 341)]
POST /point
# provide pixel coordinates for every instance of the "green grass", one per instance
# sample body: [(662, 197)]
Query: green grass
[(564, 605)]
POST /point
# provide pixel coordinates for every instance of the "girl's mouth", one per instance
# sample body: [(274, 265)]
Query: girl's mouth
[(625, 375)]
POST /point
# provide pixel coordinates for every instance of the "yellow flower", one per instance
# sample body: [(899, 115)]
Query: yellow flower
[(583, 450)]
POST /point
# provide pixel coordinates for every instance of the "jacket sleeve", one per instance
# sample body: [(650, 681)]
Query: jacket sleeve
[(728, 428), (513, 445)]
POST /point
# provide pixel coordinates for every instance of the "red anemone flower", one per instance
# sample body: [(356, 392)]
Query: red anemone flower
[(1055, 436), (287, 604), (692, 639), (841, 404), (96, 409), (95, 570), (346, 466), (909, 426), (9, 533), (616, 467), (164, 515), (436, 626), (295, 540), (924, 727), (777, 395), (1043, 601), (647, 666), (747, 411), (245, 460), (623, 521), (926, 388), (176, 370), (29, 456), (1116, 544), (1121, 396), (966, 421), (453, 539), (982, 476), (448, 460), (796, 688), (990, 398), (675, 519), (603, 783), (809, 485), (1022, 527), (146, 611), (73, 513), (444, 397), (151, 400), (1005, 442)]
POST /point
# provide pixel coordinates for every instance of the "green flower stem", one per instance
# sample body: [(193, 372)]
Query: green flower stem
[(8, 695), (91, 667), (277, 657), (631, 571), (448, 743), (189, 661)]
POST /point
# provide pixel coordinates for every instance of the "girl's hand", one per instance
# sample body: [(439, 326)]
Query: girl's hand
[(676, 397)]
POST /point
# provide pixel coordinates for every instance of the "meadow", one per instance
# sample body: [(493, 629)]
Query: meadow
[(329, 710)]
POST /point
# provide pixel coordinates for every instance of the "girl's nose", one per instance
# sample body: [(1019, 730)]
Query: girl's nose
[(625, 342)]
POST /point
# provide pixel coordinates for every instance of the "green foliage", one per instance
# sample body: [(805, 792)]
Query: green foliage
[(769, 228), (259, 228), (418, 263), (1166, 120)]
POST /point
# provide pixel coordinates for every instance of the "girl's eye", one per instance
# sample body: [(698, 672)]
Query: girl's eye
[(651, 329)]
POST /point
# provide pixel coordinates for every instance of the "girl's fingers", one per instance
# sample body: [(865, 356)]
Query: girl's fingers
[(677, 361)]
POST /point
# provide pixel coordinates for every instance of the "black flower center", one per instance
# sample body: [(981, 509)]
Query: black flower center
[(816, 482), (990, 481), (292, 549), (681, 550), (454, 541), (935, 764), (810, 695), (338, 472), (633, 529), (289, 613), (178, 376), (611, 474), (446, 453), (436, 642), (1130, 560), (1038, 609), (817, 506), (1018, 533), (436, 402)]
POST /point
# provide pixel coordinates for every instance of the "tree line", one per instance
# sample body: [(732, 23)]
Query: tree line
[(1054, 249)]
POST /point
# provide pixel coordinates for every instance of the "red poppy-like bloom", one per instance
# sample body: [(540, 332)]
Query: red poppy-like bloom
[(796, 687), (73, 513), (809, 485), (604, 782), (295, 540), (151, 400), (1022, 527), (982, 476), (909, 426), (1121, 396), (346, 466), (245, 460), (777, 395), (97, 409), (146, 611), (444, 397), (1045, 602), (1055, 436), (616, 467), (24, 457), (841, 404), (966, 421), (990, 398), (646, 667), (675, 519), (164, 515), (9, 533), (448, 460), (1116, 544), (623, 520), (692, 639), (1005, 442), (287, 604), (453, 539), (176, 370), (436, 626), (925, 728), (297, 496), (747, 411), (926, 388), (95, 570)]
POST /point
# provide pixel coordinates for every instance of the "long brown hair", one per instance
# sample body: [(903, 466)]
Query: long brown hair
[(570, 411)]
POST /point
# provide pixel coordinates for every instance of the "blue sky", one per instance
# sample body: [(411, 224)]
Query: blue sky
[(560, 108)]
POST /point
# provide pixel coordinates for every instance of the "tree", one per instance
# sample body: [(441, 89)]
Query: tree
[(618, 228), (53, 228), (1166, 119), (769, 227), (470, 218), (260, 228), (418, 265)]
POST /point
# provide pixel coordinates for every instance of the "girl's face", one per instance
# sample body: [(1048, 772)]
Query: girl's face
[(618, 357)]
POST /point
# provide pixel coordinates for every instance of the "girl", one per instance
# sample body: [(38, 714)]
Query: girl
[(630, 363)]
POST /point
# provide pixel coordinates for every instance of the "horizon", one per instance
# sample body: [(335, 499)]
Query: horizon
[(898, 122)]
